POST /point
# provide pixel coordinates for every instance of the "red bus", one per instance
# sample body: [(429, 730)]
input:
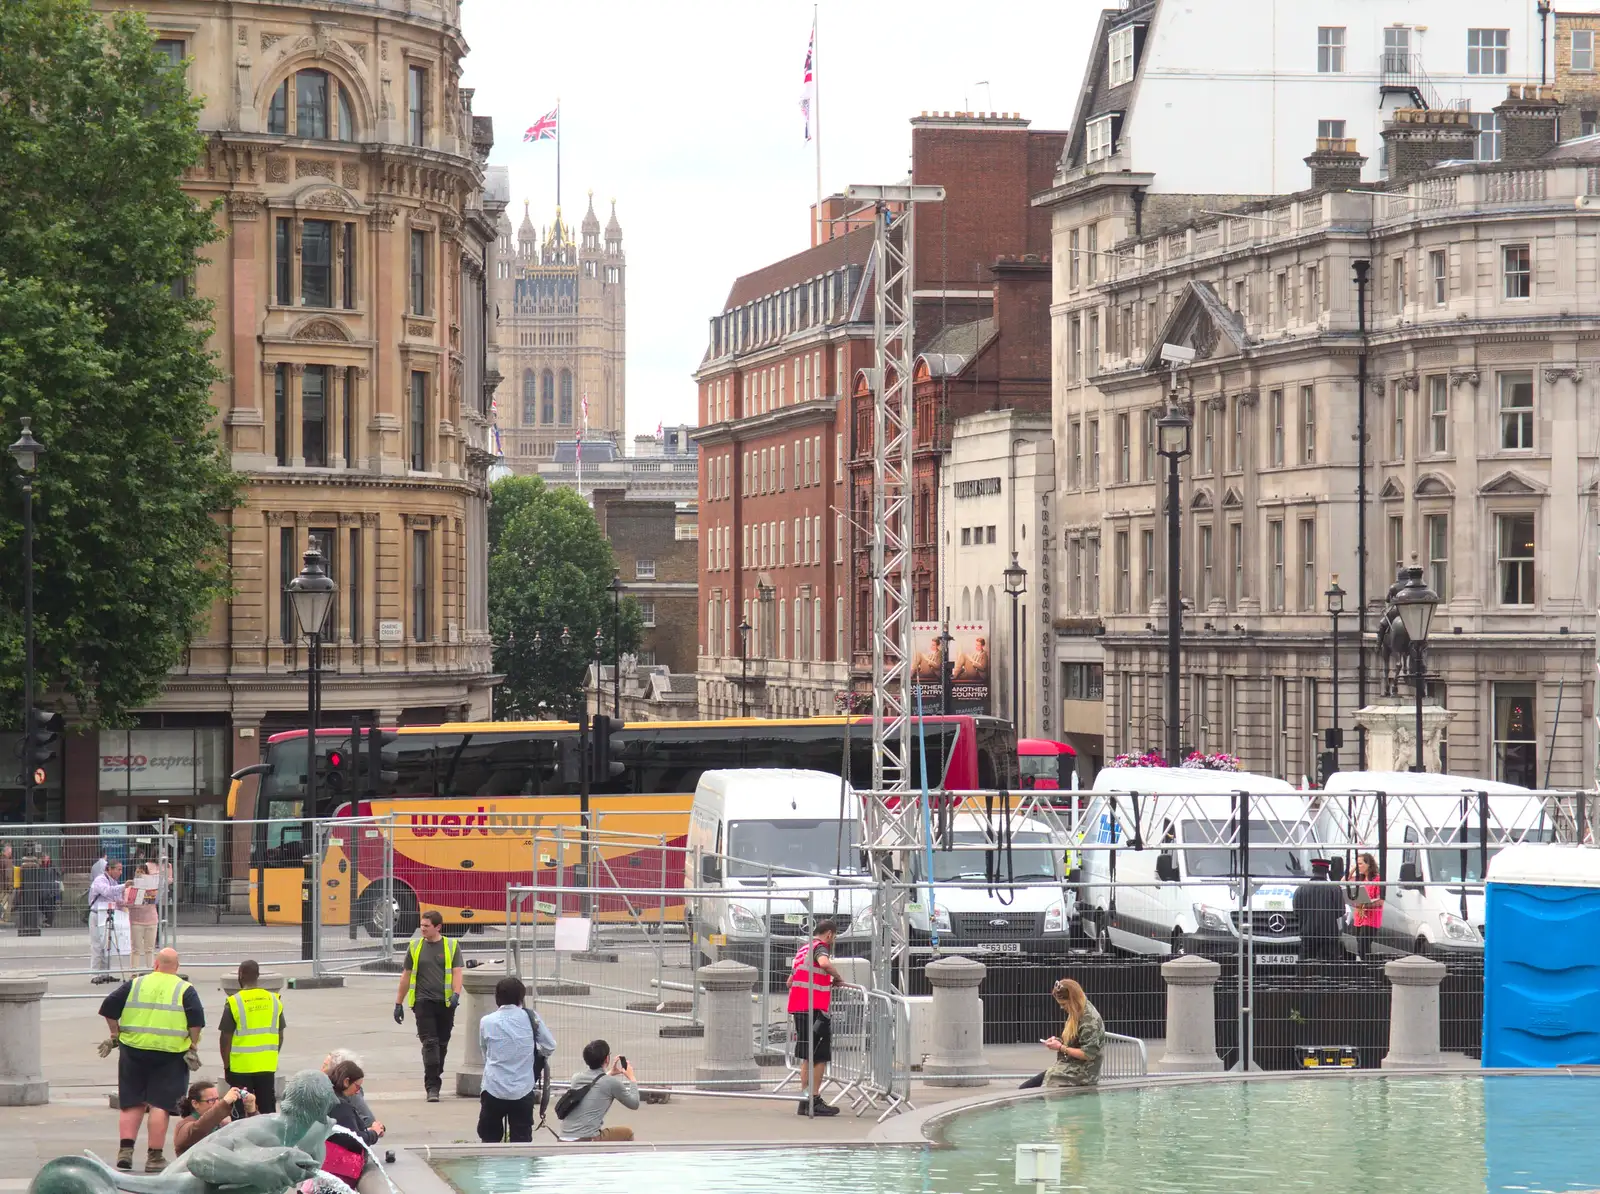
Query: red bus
[(472, 801), (1045, 764)]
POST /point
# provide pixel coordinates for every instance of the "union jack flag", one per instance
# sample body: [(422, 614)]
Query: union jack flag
[(544, 129), (808, 89)]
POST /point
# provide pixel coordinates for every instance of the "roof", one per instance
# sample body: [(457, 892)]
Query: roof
[(1577, 149), (1096, 96), (962, 339), (850, 249)]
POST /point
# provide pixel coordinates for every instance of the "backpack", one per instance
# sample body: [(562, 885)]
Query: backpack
[(571, 1097)]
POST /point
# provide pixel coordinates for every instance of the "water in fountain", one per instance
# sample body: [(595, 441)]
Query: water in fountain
[(379, 1163)]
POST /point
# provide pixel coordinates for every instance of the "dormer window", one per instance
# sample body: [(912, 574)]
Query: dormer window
[(322, 110), (1101, 137), (1119, 56)]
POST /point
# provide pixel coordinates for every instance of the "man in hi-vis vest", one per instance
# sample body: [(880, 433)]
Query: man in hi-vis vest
[(431, 985), (155, 1021), (810, 996), (252, 1037)]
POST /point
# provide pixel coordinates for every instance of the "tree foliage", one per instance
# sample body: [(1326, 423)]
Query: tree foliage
[(103, 346), (550, 570)]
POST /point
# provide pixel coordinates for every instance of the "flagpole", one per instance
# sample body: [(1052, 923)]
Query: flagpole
[(816, 110), (558, 159)]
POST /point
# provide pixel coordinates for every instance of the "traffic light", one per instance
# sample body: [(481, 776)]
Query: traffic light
[(603, 768), (1327, 764), (43, 741), (382, 762), (336, 770)]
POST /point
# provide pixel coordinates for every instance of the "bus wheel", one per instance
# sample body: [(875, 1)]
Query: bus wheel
[(400, 913)]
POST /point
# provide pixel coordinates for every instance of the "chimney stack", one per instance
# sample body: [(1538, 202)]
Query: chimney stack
[(1418, 139), (1336, 163), (1528, 116)]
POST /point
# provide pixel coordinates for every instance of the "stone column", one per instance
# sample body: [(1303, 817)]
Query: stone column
[(1191, 1016), (477, 989), (957, 1055), (1414, 1014), (1391, 725), (728, 1060), (22, 1082)]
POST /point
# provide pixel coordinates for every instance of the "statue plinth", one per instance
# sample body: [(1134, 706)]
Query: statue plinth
[(1391, 725)]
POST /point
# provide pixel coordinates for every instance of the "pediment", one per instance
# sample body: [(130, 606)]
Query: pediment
[(320, 192), (320, 327), (1202, 321), (1392, 490), (1232, 500), (1511, 484), (1201, 500), (1434, 485)]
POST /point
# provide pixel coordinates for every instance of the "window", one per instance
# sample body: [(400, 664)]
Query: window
[(1124, 595), (416, 93), (1075, 459), (1516, 745), (1098, 146), (1312, 296), (419, 272), (1147, 556), (421, 565), (1308, 424), (1486, 51), (1083, 681), (347, 117), (1582, 50), (419, 421), (1073, 271), (278, 111), (1275, 548), (1397, 423), (347, 438), (353, 586), (280, 413), (1438, 276), (547, 407), (966, 536), (1235, 564), (644, 570), (311, 104), (566, 397), (1517, 269), (314, 416), (1439, 414), (1516, 412), (283, 260), (1094, 332), (1397, 50), (1148, 448), (988, 534), (1282, 311), (1238, 434), (1397, 547), (1436, 533), (1514, 537), (1208, 438), (1330, 130), (1398, 269), (1075, 573), (1330, 50), (1275, 405), (1094, 451), (316, 262), (1490, 131), (647, 612), (1124, 450), (288, 569), (1092, 581), (1119, 54), (1308, 563), (347, 283), (1207, 578), (172, 48)]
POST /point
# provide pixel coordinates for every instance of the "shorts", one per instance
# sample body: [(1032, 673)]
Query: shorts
[(150, 1078), (263, 1086), (813, 1042)]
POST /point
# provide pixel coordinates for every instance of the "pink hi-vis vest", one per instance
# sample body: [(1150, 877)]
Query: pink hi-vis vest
[(809, 990)]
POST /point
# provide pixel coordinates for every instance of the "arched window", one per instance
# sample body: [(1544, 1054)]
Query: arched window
[(323, 108), (566, 397), (547, 407), (966, 605), (528, 397)]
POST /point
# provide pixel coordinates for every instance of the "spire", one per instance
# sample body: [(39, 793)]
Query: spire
[(613, 229), (591, 222), (525, 231)]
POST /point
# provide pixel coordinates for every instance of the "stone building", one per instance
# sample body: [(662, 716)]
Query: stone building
[(1481, 350), (561, 312), (351, 290)]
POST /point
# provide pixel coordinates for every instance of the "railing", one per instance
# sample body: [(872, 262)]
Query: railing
[(1404, 71)]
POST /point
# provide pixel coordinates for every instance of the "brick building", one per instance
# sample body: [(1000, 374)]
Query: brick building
[(656, 545), (1576, 78)]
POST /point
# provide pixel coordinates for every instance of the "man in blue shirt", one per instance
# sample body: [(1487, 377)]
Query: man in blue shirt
[(515, 1044)]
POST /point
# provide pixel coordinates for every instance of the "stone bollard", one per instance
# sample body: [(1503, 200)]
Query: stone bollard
[(477, 1001), (22, 1082), (956, 1058), (1191, 1016), (728, 1056), (1414, 1014)]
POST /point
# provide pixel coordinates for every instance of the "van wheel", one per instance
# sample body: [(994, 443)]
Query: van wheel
[(1102, 937), (1180, 945)]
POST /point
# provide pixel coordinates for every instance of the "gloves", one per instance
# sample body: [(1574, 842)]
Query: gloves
[(452, 1000), (107, 1045), (399, 1013), (192, 1060)]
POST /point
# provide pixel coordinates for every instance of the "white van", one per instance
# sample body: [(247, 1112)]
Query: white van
[(1438, 907), (1162, 899), (1026, 909), (745, 824)]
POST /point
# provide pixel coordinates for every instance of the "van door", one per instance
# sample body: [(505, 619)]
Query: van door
[(1406, 902)]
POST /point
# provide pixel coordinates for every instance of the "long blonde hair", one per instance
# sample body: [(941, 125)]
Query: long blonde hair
[(1073, 1001)]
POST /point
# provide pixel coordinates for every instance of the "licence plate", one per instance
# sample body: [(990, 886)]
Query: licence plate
[(1276, 959), (1002, 947), (794, 918)]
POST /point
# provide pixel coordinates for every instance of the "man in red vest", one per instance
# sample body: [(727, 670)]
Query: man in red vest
[(810, 994)]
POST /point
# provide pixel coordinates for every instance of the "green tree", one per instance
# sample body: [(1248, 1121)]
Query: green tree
[(104, 346), (550, 570)]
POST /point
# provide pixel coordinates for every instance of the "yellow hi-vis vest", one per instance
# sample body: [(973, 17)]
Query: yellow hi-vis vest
[(255, 1032), (450, 948), (153, 1017)]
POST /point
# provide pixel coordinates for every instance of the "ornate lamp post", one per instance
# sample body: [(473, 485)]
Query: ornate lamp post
[(26, 451), (744, 667), (1016, 583), (1172, 436), (1415, 604), (311, 593), (1335, 596), (616, 648)]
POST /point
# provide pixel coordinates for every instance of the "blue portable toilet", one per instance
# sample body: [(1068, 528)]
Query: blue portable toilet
[(1541, 966)]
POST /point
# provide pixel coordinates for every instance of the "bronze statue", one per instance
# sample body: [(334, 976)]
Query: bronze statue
[(1394, 644)]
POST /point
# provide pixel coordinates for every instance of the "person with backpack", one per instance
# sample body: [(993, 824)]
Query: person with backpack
[(431, 985), (516, 1050), (582, 1109)]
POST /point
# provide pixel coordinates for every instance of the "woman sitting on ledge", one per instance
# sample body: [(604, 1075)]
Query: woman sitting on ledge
[(1078, 1047)]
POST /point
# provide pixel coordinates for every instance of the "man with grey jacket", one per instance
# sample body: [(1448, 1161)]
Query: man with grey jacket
[(609, 1079)]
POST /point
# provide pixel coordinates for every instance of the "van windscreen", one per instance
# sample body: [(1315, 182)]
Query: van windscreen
[(1268, 856), (1444, 866), (820, 847), (1027, 866)]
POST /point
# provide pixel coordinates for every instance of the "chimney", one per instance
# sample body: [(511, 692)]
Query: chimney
[(1528, 117), (1336, 163), (1420, 138)]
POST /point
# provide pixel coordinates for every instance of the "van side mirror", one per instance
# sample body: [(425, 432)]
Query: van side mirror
[(710, 869), (1166, 868), (1411, 874), (1336, 869)]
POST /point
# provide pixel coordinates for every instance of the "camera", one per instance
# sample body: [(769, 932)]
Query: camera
[(623, 1062)]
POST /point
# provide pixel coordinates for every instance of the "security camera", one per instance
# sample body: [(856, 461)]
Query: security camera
[(1587, 202), (1176, 354)]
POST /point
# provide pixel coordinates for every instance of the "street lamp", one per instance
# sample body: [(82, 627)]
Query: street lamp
[(1016, 582), (311, 593), (1172, 436), (1415, 603), (946, 668), (26, 452), (1335, 596), (744, 667), (616, 648)]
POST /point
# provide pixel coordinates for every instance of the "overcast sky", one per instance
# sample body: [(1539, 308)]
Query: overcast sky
[(689, 116)]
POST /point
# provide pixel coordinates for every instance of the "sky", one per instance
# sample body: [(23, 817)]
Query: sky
[(688, 115)]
